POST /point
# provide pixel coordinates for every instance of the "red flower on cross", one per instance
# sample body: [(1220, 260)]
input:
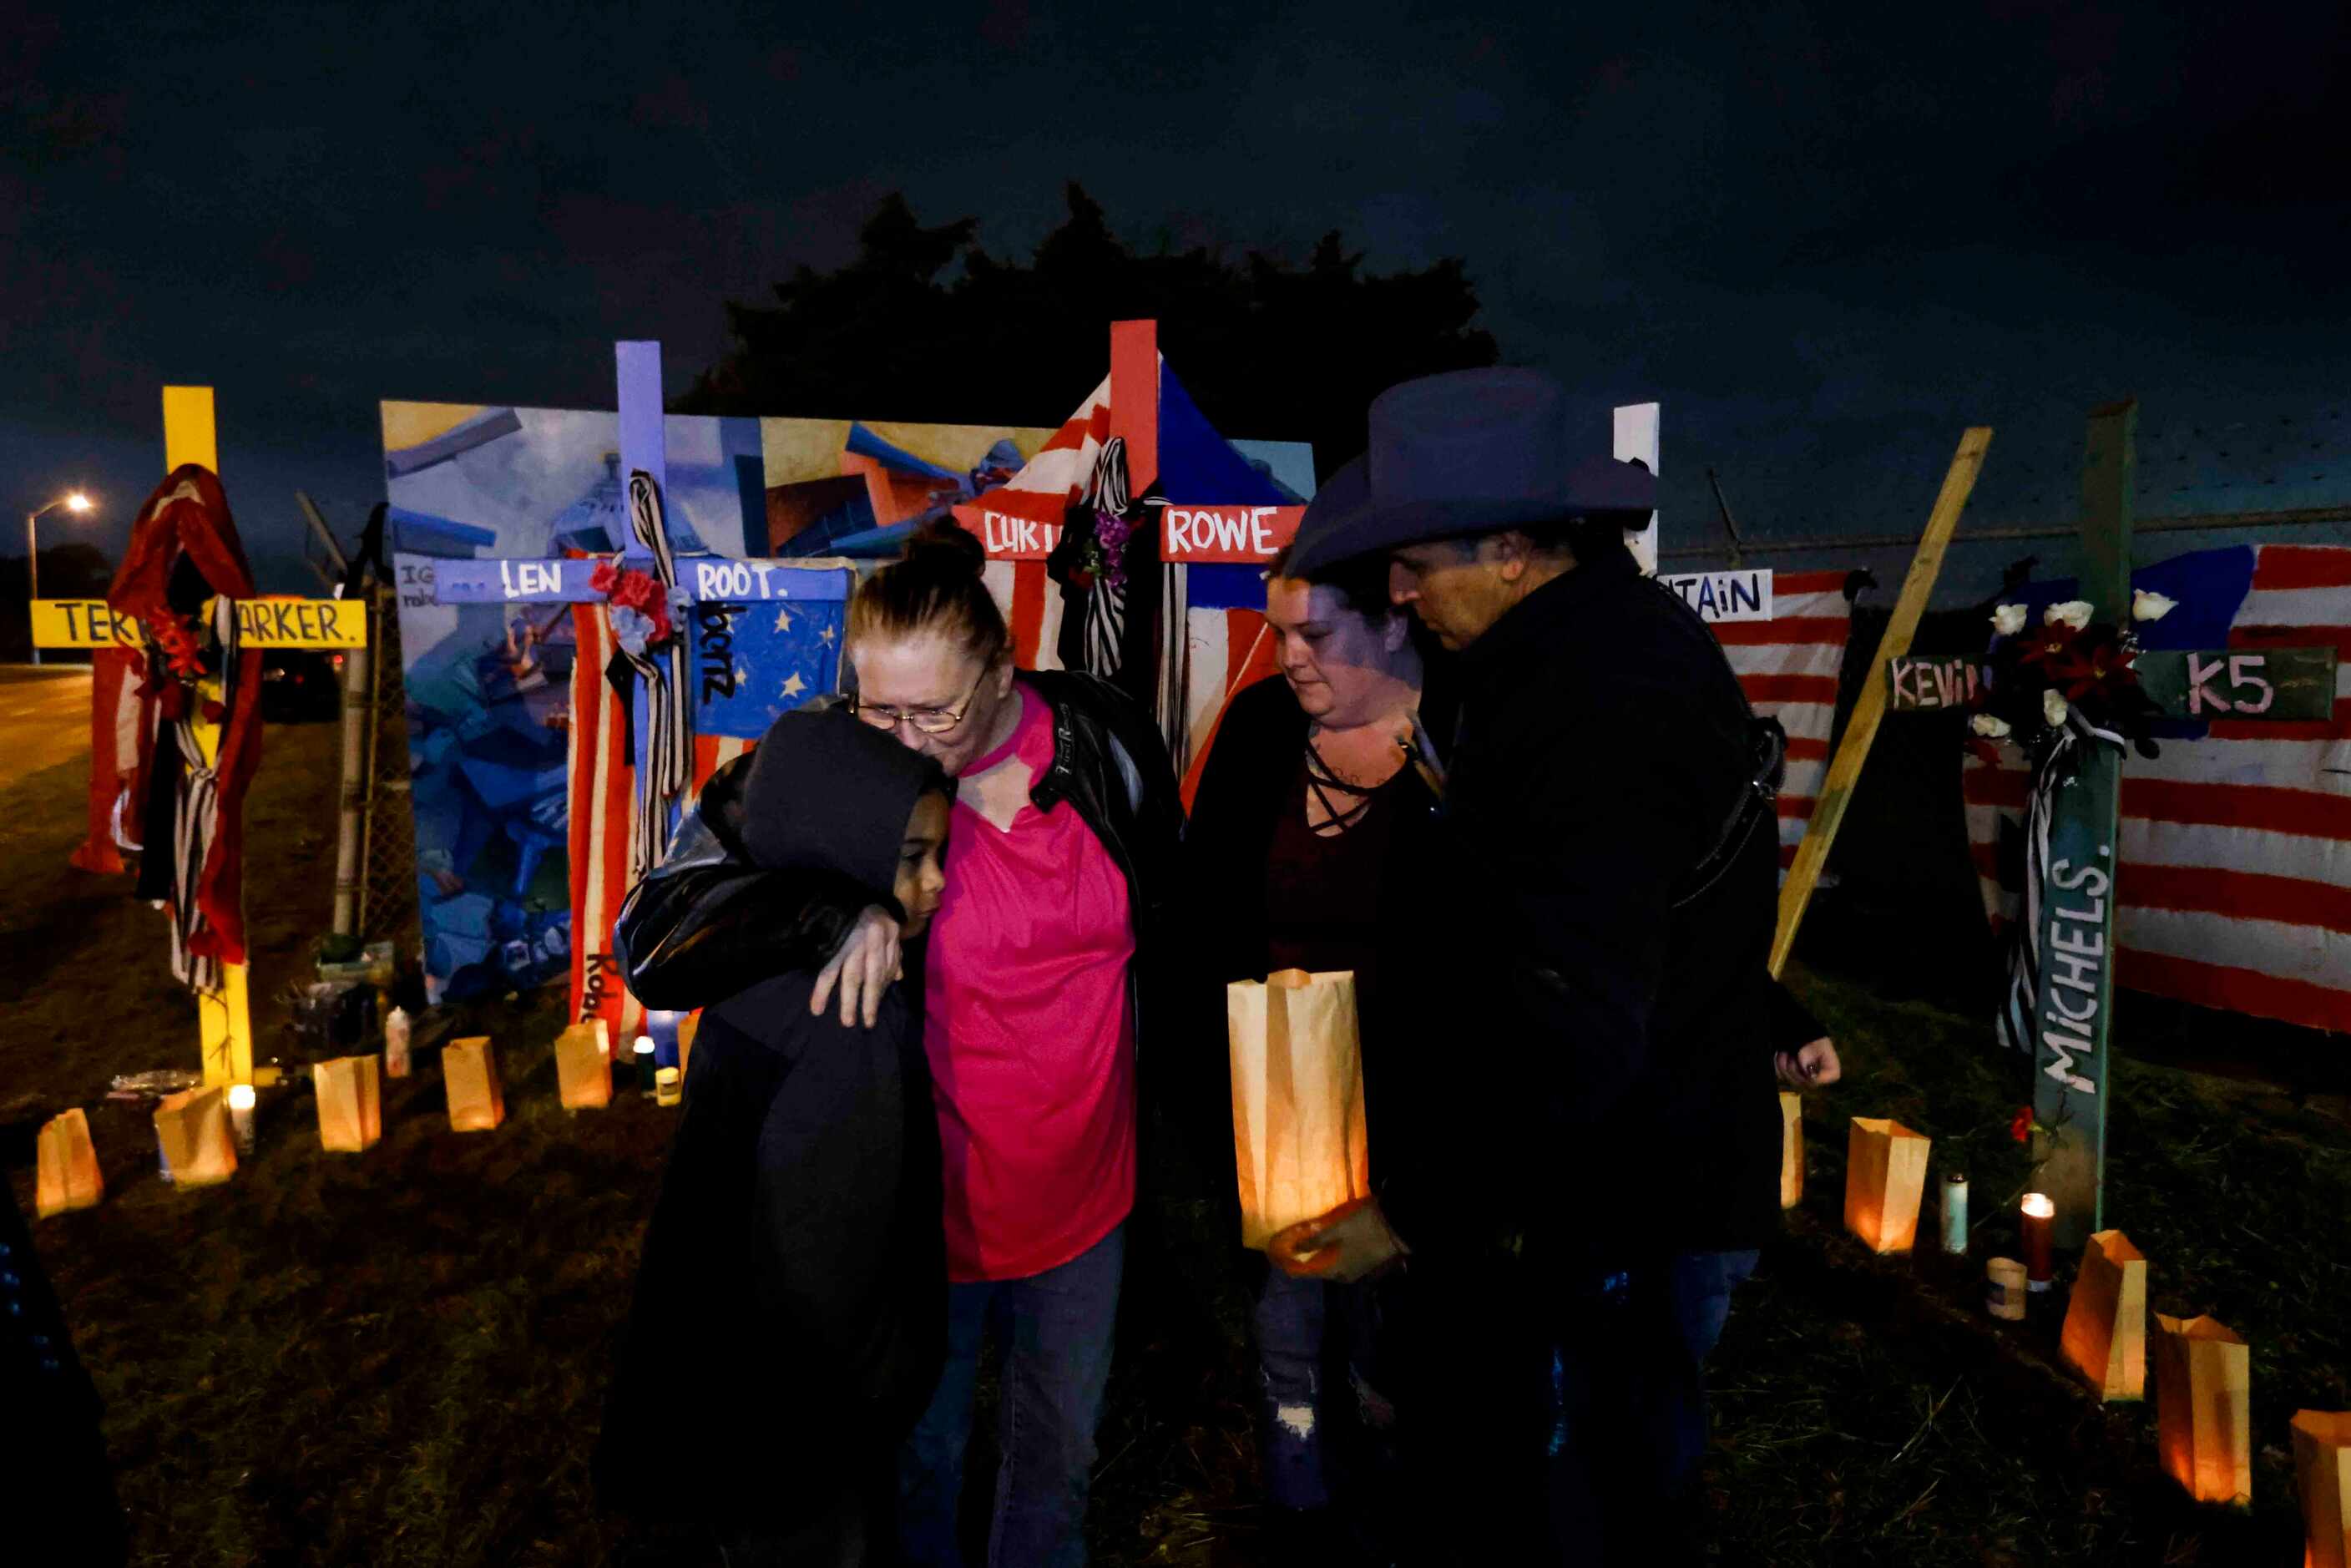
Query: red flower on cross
[(627, 588)]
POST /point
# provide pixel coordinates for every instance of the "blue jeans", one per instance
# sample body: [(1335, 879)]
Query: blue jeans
[(1054, 1329), (1573, 1424), (1701, 1284), (1289, 1319)]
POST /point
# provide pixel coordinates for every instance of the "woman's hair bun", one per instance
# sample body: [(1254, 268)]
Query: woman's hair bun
[(945, 546)]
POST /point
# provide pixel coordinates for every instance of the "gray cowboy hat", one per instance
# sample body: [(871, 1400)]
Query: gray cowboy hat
[(1469, 451)]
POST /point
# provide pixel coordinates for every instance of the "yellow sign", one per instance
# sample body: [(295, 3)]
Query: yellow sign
[(261, 622)]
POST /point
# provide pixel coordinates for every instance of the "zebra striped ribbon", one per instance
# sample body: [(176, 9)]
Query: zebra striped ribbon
[(195, 814), (1105, 609), (669, 727), (2054, 771)]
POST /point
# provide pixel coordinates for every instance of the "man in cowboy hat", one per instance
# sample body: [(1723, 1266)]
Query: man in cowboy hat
[(1594, 1163)]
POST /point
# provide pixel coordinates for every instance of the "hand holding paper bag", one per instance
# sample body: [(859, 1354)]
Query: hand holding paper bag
[(1350, 1243)]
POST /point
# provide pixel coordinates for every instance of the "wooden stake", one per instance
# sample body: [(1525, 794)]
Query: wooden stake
[(1869, 708)]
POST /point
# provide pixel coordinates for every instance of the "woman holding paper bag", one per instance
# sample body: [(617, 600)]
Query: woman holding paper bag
[(788, 1325), (1308, 851)]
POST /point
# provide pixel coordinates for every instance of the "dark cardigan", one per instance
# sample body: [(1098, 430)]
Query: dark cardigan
[(1248, 780)]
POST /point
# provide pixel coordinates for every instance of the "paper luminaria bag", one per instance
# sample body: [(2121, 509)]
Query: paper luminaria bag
[(351, 1103), (1885, 1181), (1791, 1149), (192, 1127), (2322, 1478), (583, 1065), (67, 1165), (2203, 1408), (1300, 1143), (2106, 1320), (469, 1074)]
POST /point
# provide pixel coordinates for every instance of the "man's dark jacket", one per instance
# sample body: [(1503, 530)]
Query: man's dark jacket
[(1616, 1102)]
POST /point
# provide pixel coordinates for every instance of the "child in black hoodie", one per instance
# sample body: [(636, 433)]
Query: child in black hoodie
[(790, 1317)]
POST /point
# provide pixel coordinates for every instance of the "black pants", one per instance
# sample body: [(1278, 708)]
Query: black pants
[(1540, 1421)]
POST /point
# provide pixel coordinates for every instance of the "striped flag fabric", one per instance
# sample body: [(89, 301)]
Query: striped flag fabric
[(2234, 888), (1031, 602), (603, 804), (1788, 667)]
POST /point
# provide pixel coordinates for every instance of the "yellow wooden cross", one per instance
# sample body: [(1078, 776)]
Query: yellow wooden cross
[(224, 1021)]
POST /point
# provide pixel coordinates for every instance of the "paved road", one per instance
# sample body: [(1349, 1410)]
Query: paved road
[(44, 718)]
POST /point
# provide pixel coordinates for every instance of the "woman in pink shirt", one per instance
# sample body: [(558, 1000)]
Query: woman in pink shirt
[(1059, 856)]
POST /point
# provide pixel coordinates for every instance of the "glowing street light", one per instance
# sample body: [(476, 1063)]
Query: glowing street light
[(74, 501)]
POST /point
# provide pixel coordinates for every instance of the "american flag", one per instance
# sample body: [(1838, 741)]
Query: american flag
[(1788, 667), (1042, 492), (2234, 890)]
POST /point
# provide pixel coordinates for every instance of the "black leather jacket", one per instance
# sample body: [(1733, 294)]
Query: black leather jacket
[(706, 923)]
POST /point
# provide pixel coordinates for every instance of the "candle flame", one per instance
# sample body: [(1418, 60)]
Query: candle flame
[(2038, 1206), (240, 1096), (644, 1046)]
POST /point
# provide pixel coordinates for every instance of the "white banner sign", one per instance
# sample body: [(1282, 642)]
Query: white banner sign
[(1724, 595)]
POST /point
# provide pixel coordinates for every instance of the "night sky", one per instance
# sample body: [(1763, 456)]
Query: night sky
[(1825, 237)]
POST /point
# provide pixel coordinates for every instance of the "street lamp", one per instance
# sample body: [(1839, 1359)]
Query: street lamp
[(73, 501)]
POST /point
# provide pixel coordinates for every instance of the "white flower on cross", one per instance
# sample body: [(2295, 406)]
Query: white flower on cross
[(2008, 620), (1991, 725), (2148, 605), (2053, 707), (2073, 612)]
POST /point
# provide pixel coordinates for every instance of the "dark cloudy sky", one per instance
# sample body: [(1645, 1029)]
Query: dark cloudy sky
[(1825, 237)]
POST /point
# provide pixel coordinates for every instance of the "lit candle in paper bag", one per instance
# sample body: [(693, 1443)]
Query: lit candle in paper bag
[(2322, 1475), (469, 1074), (583, 1066), (351, 1103), (66, 1166), (2106, 1320), (1884, 1182), (1300, 1142), (192, 1131), (2038, 1215), (687, 1028), (2203, 1408)]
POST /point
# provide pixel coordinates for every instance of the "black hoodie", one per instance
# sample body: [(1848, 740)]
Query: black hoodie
[(789, 1321)]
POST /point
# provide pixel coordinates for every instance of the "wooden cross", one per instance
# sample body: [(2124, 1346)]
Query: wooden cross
[(224, 1016), (2075, 908), (699, 661)]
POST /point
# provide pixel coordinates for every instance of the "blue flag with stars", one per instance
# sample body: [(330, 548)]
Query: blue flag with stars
[(754, 660)]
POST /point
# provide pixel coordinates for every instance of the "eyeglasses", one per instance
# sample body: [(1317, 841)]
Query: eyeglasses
[(926, 720)]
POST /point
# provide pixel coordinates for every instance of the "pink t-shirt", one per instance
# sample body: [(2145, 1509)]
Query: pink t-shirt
[(1029, 1031)]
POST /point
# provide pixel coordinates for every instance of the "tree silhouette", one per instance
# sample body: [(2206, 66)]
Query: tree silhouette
[(1270, 349)]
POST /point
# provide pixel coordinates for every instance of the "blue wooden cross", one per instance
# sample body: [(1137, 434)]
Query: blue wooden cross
[(699, 679)]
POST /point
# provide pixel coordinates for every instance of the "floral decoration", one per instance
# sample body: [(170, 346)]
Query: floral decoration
[(2070, 672), (639, 608)]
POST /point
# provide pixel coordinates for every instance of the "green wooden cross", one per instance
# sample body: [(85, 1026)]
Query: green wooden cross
[(2074, 907)]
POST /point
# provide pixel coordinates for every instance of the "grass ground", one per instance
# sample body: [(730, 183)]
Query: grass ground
[(398, 1358)]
